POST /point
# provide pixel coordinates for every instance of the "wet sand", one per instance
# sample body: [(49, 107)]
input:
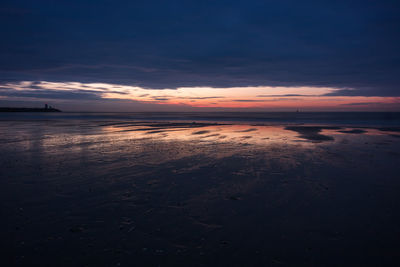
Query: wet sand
[(112, 193)]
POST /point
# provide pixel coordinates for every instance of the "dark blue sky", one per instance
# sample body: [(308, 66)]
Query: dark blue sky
[(167, 44)]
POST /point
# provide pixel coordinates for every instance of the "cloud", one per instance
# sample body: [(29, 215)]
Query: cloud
[(162, 44), (46, 94), (50, 91), (288, 95), (268, 100), (201, 98), (364, 104), (248, 100), (186, 98)]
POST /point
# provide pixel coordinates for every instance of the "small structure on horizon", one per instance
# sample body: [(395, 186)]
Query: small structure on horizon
[(47, 108)]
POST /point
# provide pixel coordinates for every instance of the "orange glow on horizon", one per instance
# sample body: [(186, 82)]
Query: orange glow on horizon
[(256, 97)]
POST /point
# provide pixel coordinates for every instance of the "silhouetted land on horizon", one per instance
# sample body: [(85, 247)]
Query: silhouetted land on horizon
[(4, 109)]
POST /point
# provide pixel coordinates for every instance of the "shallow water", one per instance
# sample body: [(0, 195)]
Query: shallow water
[(119, 192), (266, 118)]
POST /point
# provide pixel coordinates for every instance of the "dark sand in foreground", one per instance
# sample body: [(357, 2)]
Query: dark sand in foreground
[(77, 193)]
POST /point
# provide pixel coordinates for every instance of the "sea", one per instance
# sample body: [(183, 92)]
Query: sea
[(267, 118)]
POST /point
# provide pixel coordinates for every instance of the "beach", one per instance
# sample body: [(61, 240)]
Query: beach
[(95, 190)]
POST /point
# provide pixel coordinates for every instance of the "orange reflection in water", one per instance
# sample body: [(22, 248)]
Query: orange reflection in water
[(235, 133), (245, 134)]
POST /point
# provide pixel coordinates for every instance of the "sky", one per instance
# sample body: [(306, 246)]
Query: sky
[(221, 55)]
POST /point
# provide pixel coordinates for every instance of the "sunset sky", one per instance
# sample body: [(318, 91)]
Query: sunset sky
[(201, 55)]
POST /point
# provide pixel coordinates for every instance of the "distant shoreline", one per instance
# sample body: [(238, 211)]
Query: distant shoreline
[(29, 110)]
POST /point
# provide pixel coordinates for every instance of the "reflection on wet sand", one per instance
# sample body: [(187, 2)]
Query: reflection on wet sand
[(313, 132), (234, 132), (110, 193)]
